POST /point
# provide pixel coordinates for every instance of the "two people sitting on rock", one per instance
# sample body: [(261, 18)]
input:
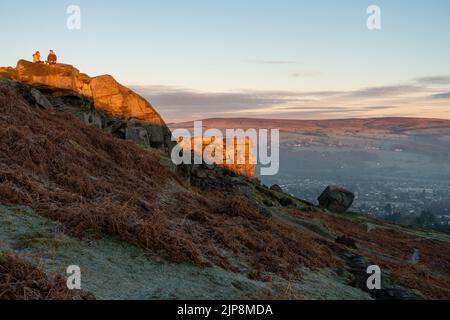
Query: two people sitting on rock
[(51, 59)]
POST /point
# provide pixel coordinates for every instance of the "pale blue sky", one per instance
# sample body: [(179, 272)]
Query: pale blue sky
[(228, 48)]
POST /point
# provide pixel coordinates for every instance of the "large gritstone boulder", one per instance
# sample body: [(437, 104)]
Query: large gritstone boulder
[(336, 199)]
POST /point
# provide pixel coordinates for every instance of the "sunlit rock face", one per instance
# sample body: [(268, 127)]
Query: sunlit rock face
[(109, 95), (239, 158), (105, 92), (60, 76)]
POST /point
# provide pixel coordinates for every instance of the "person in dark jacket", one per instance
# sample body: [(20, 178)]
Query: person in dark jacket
[(52, 59)]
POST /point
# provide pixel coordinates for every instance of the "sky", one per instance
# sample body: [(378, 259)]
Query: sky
[(289, 59)]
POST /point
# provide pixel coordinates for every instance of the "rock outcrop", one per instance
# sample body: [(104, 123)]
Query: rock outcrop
[(105, 93), (336, 199), (239, 159)]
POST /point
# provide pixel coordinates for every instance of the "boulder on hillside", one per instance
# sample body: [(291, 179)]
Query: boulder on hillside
[(276, 188), (138, 135), (336, 199), (286, 201), (40, 100)]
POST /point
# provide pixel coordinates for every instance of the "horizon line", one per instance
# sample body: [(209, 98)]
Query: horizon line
[(312, 120)]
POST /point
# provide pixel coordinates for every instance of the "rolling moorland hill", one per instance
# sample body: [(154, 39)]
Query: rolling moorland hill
[(78, 191), (407, 126)]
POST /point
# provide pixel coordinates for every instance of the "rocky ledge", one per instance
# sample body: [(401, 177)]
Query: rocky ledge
[(63, 82)]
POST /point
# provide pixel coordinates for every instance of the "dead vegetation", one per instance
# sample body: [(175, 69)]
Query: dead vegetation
[(22, 281), (393, 251), (89, 180)]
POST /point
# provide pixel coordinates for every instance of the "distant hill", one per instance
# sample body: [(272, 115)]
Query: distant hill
[(422, 126)]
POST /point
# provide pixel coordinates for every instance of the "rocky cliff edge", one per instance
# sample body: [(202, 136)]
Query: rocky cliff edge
[(104, 91)]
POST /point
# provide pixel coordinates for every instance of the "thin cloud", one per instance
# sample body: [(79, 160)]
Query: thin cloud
[(171, 101), (396, 90), (434, 80), (305, 74), (272, 62), (441, 96), (379, 107), (338, 109), (182, 104)]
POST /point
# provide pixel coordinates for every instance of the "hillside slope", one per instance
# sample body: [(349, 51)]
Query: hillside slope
[(85, 191)]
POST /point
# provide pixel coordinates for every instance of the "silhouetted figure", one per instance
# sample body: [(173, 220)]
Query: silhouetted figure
[(37, 57), (51, 59)]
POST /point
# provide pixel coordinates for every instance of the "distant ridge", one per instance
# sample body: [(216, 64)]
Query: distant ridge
[(381, 125)]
